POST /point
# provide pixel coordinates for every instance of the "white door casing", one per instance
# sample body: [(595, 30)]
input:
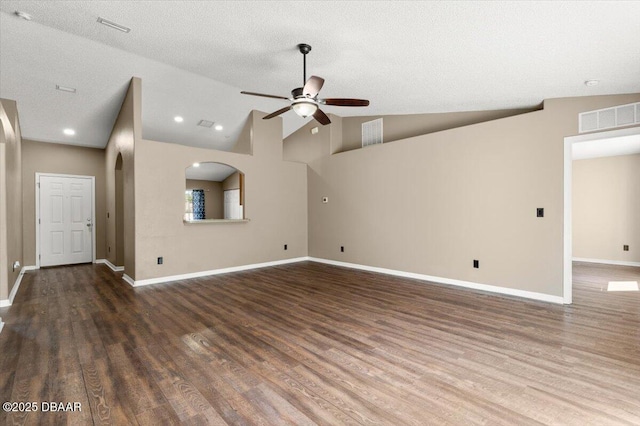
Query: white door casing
[(567, 205), (65, 219)]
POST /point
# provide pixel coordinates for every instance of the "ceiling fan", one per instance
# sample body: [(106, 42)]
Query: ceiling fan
[(304, 100)]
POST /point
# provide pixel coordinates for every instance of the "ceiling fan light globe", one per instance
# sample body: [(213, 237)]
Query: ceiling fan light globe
[(305, 108)]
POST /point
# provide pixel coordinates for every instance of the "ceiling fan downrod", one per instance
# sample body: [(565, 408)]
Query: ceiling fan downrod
[(304, 49)]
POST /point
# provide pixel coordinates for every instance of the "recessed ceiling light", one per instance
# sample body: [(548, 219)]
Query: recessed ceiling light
[(113, 25), (23, 15), (69, 132), (65, 89), (218, 127), (591, 83), (196, 164), (178, 119)]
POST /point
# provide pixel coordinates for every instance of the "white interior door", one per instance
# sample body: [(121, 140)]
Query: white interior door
[(66, 220)]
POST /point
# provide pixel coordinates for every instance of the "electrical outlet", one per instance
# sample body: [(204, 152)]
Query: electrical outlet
[(285, 246), (342, 249), (160, 260), (476, 263), (539, 212), (625, 247)]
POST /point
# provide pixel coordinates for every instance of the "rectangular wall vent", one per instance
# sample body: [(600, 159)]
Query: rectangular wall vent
[(372, 132), (609, 118)]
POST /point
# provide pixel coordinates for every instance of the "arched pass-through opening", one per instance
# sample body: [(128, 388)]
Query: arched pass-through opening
[(214, 192), (119, 217)]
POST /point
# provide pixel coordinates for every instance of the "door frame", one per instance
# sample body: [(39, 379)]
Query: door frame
[(93, 212), (568, 212)]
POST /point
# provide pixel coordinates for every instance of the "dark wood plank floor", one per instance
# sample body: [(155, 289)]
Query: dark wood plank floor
[(314, 344)]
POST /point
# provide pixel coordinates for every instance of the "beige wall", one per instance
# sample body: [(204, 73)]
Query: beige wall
[(398, 127), (345, 133), (213, 197), (10, 197), (126, 131), (43, 157), (276, 207), (305, 147), (232, 182), (244, 144), (606, 208), (432, 204)]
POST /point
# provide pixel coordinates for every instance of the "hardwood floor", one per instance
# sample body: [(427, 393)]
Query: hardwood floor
[(309, 343)]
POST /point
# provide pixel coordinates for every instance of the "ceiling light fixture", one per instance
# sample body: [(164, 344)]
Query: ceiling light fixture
[(304, 107), (23, 15), (113, 25), (69, 132), (65, 89), (196, 164), (218, 127), (591, 83), (178, 119)]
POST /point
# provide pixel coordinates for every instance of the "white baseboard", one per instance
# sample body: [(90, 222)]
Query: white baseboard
[(8, 302), (150, 281), (129, 280), (606, 262), (459, 283), (111, 266)]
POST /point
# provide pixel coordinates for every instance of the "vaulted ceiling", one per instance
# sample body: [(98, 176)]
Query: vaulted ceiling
[(194, 57)]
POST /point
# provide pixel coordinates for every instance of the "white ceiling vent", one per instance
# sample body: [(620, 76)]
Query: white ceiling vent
[(205, 123), (608, 118), (372, 132)]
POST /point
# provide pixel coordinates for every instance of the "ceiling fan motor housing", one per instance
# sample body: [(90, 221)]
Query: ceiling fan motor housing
[(297, 93)]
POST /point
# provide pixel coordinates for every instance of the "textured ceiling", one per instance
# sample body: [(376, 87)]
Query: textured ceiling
[(406, 57)]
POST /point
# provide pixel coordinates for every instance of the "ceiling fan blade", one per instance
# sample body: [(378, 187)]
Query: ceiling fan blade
[(277, 113), (344, 102), (312, 86), (265, 96), (321, 117)]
